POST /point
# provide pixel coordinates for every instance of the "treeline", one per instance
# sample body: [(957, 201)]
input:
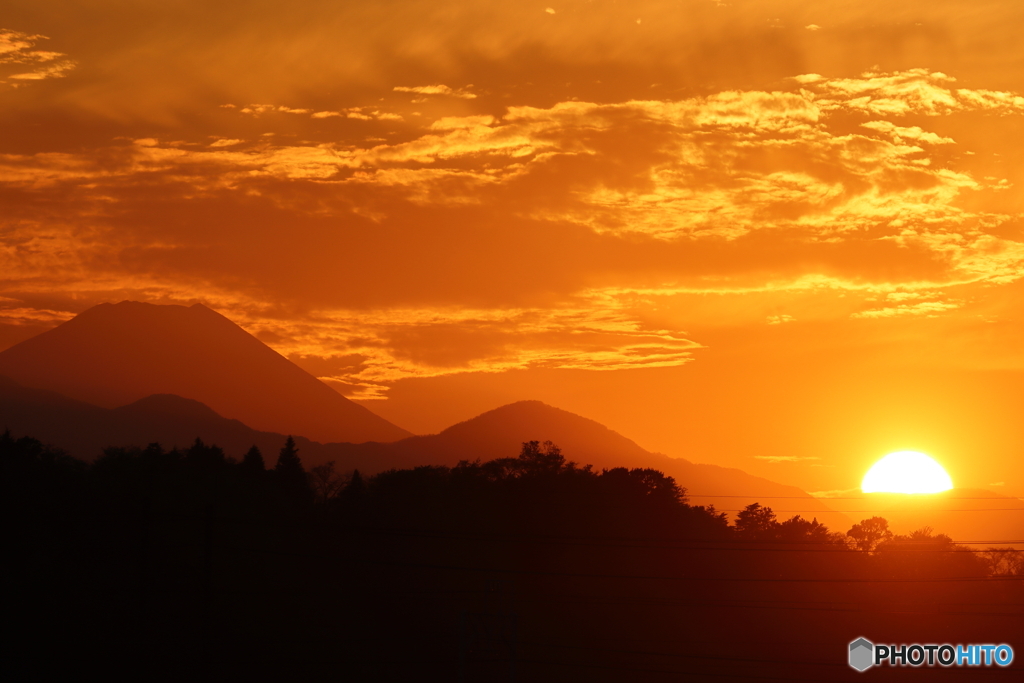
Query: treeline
[(187, 561)]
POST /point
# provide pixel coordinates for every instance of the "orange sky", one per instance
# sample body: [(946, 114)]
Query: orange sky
[(780, 236)]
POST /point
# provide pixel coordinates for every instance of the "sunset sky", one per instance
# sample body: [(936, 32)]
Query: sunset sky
[(784, 236)]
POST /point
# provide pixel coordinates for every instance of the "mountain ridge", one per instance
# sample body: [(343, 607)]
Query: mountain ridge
[(84, 430), (113, 354)]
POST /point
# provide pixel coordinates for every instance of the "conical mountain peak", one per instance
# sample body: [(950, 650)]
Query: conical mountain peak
[(114, 354)]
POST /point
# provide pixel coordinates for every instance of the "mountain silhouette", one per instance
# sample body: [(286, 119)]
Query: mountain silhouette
[(84, 430), (500, 433), (114, 354)]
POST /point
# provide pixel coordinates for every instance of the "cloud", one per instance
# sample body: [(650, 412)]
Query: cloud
[(925, 308), (716, 166), (17, 53), (363, 353), (462, 122), (58, 70), (707, 168), (838, 493), (439, 89), (575, 235), (785, 458), (912, 133), (915, 91), (361, 113), (258, 109), (13, 314)]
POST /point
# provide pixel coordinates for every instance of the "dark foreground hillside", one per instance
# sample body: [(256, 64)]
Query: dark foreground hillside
[(155, 565), (84, 430)]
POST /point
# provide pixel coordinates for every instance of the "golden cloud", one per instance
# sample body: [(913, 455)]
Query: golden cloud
[(915, 91), (372, 350), (925, 308), (439, 89), (785, 458), (17, 53), (828, 188)]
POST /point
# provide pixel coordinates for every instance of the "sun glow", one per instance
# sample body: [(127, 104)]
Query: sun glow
[(906, 472)]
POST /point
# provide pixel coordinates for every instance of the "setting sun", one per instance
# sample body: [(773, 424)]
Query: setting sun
[(906, 472)]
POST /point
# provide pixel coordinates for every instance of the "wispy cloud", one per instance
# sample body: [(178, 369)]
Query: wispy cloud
[(915, 91), (361, 113), (377, 349), (607, 223), (17, 52), (785, 458), (258, 109), (837, 493), (439, 89), (925, 308)]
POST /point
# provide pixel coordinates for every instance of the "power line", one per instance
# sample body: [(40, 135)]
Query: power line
[(645, 542), (654, 539), (672, 544), (538, 572), (278, 522), (890, 510), (553, 598), (669, 602), (810, 497)]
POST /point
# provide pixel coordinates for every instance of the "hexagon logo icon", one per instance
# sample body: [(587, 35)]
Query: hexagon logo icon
[(861, 654)]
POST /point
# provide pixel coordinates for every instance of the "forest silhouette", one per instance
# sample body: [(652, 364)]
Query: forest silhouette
[(155, 564)]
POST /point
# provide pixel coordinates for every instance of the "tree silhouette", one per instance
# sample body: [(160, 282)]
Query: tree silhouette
[(870, 532), (288, 459), (1004, 561), (926, 554), (798, 530), (356, 487), (291, 476), (756, 522), (645, 483), (537, 458), (325, 483), (203, 457), (253, 460)]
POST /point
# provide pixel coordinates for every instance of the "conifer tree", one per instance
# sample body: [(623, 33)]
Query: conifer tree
[(203, 456), (288, 459), (356, 486), (253, 461), (291, 476)]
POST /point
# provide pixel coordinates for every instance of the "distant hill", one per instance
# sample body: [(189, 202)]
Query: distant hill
[(84, 430), (114, 354), (500, 433)]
